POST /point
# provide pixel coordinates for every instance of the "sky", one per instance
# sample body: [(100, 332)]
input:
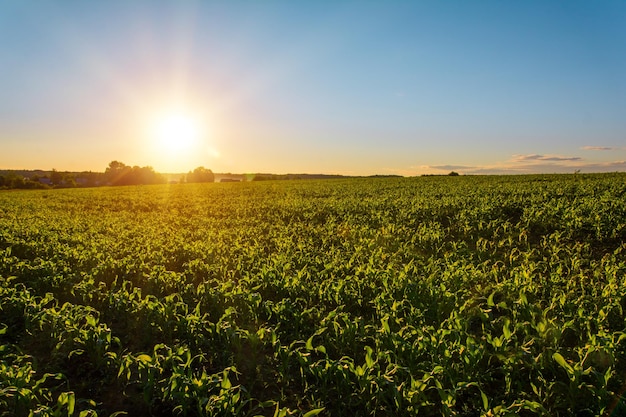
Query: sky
[(335, 87)]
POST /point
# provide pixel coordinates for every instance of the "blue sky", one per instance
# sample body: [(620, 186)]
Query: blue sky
[(404, 87)]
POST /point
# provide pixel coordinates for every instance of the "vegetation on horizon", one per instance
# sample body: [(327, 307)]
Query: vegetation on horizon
[(454, 296), (117, 173)]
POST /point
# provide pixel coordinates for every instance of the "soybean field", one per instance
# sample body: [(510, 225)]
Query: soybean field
[(430, 296)]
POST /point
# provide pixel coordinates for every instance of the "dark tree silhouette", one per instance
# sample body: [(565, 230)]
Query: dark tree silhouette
[(119, 173), (200, 174)]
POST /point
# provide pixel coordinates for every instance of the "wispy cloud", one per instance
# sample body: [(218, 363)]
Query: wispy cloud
[(534, 167), (522, 164), (551, 158), (450, 167), (599, 148)]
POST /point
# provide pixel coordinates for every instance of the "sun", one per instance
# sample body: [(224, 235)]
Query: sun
[(177, 132), (178, 139)]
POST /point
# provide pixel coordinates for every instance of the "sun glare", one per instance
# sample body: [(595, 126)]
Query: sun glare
[(178, 139), (177, 132)]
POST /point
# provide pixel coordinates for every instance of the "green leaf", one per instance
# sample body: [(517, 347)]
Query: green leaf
[(490, 302), (71, 403), (68, 399), (505, 329), (437, 370), (368, 356), (532, 405), (485, 400), (314, 412), (144, 358), (226, 384), (561, 361), (91, 320), (309, 343), (280, 412), (385, 323)]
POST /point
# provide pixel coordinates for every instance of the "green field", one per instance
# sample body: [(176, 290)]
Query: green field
[(452, 296)]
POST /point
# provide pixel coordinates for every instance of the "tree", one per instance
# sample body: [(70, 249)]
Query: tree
[(56, 177), (115, 172), (119, 173), (200, 174)]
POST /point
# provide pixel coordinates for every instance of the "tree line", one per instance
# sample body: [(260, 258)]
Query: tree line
[(117, 173)]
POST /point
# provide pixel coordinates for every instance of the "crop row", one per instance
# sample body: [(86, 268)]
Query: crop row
[(459, 296)]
